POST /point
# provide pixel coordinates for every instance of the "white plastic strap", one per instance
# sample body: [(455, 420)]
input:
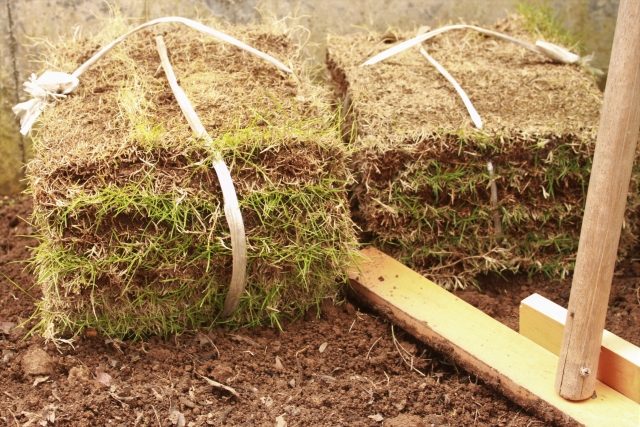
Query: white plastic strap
[(231, 206), (477, 121), (555, 52), (475, 117), (49, 86), (53, 84)]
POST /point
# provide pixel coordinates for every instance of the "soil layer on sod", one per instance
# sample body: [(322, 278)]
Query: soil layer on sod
[(133, 239), (423, 185)]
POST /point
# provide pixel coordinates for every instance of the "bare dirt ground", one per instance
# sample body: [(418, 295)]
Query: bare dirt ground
[(340, 369)]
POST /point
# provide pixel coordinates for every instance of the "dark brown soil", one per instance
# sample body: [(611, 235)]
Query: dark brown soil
[(500, 298), (340, 369)]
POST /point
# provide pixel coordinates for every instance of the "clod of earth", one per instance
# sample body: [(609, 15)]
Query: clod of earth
[(79, 375), (36, 361)]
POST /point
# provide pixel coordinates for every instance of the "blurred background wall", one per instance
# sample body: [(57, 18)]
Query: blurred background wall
[(25, 23)]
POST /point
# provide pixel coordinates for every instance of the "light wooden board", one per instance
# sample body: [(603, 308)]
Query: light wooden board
[(542, 321), (519, 368)]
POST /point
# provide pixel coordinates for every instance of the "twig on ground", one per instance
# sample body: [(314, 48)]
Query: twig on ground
[(14, 417), (123, 400), (300, 376), (324, 377), (139, 416), (365, 379), (157, 417), (222, 386), (371, 348), (300, 351), (9, 395), (214, 346), (224, 416), (161, 378), (244, 339), (409, 364)]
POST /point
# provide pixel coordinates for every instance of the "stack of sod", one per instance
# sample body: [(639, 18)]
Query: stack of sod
[(423, 192), (133, 235)]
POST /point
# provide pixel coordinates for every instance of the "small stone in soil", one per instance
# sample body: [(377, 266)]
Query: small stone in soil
[(267, 401), (279, 365), (8, 355)]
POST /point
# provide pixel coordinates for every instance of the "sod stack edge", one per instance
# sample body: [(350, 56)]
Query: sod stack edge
[(423, 188), (133, 236)]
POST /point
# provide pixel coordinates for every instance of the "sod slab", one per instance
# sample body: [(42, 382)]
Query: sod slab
[(130, 213), (423, 185)]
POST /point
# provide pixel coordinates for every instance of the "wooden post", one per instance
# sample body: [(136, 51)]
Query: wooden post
[(604, 211)]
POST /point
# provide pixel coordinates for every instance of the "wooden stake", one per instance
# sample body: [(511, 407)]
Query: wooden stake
[(604, 211)]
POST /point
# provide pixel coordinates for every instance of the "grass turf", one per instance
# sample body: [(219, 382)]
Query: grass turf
[(423, 188), (133, 239)]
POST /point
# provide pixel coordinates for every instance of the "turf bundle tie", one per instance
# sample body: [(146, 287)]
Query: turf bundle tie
[(49, 86), (231, 206), (550, 50), (497, 222), (53, 84), (475, 117)]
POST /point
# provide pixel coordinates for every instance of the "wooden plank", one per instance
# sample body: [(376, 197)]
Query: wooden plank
[(542, 321), (502, 358)]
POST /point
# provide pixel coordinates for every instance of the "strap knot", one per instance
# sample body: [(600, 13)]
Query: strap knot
[(51, 85)]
